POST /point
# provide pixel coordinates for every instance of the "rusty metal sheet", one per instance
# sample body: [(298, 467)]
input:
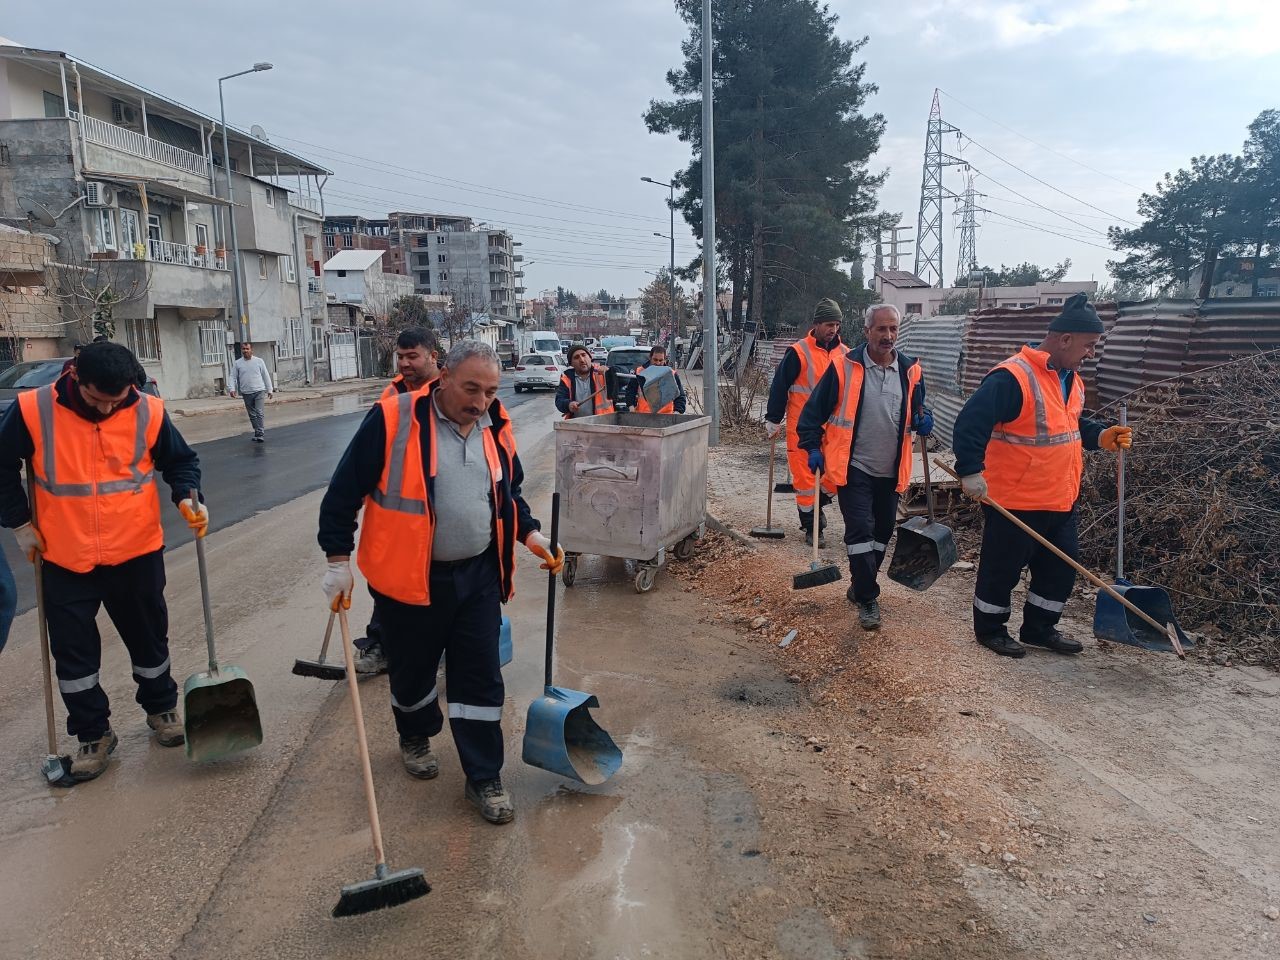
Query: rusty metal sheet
[(1228, 328), (1148, 343)]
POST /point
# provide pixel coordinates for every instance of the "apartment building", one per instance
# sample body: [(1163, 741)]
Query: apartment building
[(133, 187), (31, 321)]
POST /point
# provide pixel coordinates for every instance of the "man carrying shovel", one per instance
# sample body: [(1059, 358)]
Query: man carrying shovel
[(856, 429), (583, 389), (797, 375), (1020, 440), (437, 475), (94, 444)]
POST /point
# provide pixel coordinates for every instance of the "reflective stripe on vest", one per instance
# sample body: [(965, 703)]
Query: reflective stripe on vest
[(1043, 437), (837, 435), (808, 369), (44, 409), (397, 501)]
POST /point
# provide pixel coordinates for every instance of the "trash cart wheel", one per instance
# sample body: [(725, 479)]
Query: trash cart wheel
[(570, 571), (684, 549), (645, 577)]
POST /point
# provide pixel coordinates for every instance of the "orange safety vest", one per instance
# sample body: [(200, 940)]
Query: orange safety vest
[(813, 364), (396, 387), (96, 498), (1035, 461), (642, 405), (837, 437), (603, 404), (399, 521)]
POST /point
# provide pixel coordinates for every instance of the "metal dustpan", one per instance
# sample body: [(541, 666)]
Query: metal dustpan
[(219, 709), (660, 387), (559, 732), (925, 549), (505, 649), (1111, 620)]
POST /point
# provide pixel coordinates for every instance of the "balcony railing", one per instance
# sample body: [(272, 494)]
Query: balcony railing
[(130, 141), (165, 251), (311, 204)]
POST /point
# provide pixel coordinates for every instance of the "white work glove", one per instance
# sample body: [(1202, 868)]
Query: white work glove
[(552, 554), (338, 584), (29, 540), (974, 486), (771, 429)]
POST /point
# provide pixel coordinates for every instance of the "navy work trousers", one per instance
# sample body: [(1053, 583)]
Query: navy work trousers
[(1005, 551), (869, 506), (463, 620)]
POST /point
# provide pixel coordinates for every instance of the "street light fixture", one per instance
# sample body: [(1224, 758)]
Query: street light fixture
[(671, 203), (237, 276)]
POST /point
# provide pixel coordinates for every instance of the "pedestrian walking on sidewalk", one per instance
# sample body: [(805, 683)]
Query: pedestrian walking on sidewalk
[(439, 555), (798, 373), (856, 429), (584, 388), (417, 364), (1020, 438), (95, 443), (250, 378)]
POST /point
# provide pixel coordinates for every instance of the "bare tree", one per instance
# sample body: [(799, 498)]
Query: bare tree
[(89, 294)]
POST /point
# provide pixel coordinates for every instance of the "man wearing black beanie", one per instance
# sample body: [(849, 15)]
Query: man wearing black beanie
[(1020, 438)]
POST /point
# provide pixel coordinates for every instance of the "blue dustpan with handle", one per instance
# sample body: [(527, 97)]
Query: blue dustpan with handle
[(559, 733), (505, 650)]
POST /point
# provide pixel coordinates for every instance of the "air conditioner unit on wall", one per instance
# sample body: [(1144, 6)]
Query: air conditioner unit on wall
[(124, 114), (97, 194)]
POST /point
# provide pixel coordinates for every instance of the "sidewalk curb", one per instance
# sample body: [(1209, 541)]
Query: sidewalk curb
[(721, 527), (234, 403)]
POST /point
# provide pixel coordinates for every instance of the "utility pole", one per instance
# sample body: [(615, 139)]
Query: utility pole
[(967, 261), (894, 243), (710, 319), (928, 265)]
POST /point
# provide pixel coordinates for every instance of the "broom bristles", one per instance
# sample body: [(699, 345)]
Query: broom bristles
[(390, 891), (817, 577), (768, 533), (323, 671)]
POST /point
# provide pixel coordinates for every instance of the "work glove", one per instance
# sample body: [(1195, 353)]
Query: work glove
[(771, 429), (29, 540), (1116, 439), (817, 462), (540, 546), (923, 423), (338, 584), (197, 517), (974, 486)]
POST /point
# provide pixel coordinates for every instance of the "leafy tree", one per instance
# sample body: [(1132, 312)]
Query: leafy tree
[(604, 296), (655, 302), (565, 298), (408, 311), (955, 304), (1026, 274), (794, 195), (1260, 188)]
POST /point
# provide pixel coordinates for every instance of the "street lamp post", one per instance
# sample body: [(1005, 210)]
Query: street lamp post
[(237, 275), (671, 203)]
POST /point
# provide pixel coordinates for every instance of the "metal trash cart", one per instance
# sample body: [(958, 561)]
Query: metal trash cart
[(633, 485)]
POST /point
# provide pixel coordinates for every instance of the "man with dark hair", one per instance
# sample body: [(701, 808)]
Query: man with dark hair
[(1021, 437), (75, 355), (94, 444), (584, 387), (250, 378), (635, 393)]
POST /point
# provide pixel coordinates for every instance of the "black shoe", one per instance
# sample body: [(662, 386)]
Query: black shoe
[(869, 614), (259, 439), (418, 758), (1053, 640), (808, 539), (1003, 644), (491, 799)]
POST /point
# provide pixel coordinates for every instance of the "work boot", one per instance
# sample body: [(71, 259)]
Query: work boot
[(373, 661), (868, 613), (168, 728), (808, 538), (93, 757), (491, 799), (1053, 640), (418, 758), (1002, 644)]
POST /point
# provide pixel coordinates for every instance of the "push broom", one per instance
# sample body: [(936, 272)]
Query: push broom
[(818, 574), (386, 889), (321, 669)]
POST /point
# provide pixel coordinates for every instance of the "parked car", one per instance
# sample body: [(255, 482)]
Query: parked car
[(40, 373), (599, 354), (537, 370)]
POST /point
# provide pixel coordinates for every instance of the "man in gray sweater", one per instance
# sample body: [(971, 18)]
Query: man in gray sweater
[(249, 378)]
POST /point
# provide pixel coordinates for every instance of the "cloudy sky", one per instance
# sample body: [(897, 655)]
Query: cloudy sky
[(528, 114)]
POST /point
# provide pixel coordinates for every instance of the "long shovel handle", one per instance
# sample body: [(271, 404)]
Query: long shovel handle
[(817, 513), (551, 590), (928, 481), (1165, 628), (768, 510), (204, 591), (1124, 422), (45, 671), (362, 744)]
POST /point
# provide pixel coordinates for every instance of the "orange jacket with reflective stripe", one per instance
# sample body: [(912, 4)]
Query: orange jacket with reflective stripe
[(599, 391), (642, 405), (96, 497), (398, 526), (1035, 461), (394, 388), (837, 436), (813, 364)]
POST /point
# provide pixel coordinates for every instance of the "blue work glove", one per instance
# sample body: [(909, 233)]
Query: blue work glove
[(923, 423), (817, 464)]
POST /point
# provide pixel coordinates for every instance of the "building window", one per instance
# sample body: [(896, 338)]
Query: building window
[(424, 278), (213, 342), (293, 344), (54, 105), (262, 267), (439, 239), (271, 197), (346, 240), (143, 338), (287, 272), (106, 229), (317, 342), (443, 276), (917, 308), (1053, 300), (442, 258)]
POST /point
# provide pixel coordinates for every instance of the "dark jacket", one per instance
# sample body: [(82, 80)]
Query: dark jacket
[(783, 378), (633, 391), (998, 399), (826, 395), (568, 386), (360, 469), (175, 460)]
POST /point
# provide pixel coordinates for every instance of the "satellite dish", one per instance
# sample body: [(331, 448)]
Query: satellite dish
[(258, 132), (40, 213)]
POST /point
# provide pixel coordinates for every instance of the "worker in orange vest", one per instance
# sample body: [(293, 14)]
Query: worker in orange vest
[(584, 387), (797, 375), (417, 364), (635, 393), (1020, 439), (437, 476), (857, 428), (94, 443)]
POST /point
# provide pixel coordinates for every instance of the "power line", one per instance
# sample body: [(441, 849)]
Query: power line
[(1088, 216), (1037, 143), (1033, 226), (1033, 203)]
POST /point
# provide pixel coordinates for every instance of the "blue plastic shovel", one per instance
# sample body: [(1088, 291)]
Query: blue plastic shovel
[(559, 733)]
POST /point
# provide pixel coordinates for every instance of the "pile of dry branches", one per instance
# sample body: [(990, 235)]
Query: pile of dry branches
[(742, 403), (1202, 503)]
